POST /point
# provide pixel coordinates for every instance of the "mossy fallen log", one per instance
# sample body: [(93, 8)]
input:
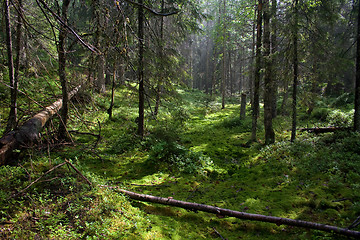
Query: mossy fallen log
[(241, 215), (318, 130), (28, 133)]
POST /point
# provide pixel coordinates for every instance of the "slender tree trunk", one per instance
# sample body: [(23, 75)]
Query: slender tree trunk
[(255, 107), (207, 70), (161, 56), (295, 66), (252, 80), (110, 110), (357, 82), (274, 57), (223, 79), (230, 75), (268, 93), (213, 78), (100, 58), (12, 121), (62, 71), (141, 69), (243, 106)]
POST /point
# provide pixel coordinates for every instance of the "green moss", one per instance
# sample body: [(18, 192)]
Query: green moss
[(313, 179)]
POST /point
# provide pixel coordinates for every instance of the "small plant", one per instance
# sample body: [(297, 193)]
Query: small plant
[(339, 118), (320, 114), (178, 157)]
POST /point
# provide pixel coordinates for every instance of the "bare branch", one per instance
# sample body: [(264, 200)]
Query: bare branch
[(149, 9), (32, 183), (61, 21)]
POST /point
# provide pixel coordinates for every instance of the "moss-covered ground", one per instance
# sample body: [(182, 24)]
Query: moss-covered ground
[(193, 151)]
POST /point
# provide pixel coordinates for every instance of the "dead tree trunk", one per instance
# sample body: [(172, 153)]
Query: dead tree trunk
[(318, 130), (28, 133), (241, 215)]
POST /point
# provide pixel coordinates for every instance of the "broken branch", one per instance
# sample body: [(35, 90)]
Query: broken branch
[(76, 170), (32, 183), (241, 215)]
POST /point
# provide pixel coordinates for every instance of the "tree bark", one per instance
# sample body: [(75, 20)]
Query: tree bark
[(255, 106), (268, 93), (100, 58), (295, 69), (274, 25), (28, 133), (357, 82), (141, 70), (110, 109), (62, 72), (223, 78), (241, 215), (161, 57), (243, 106), (12, 121)]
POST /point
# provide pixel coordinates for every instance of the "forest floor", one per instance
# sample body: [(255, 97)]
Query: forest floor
[(194, 151)]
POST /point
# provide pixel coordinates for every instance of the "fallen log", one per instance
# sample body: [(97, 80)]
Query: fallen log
[(318, 130), (28, 133), (241, 215)]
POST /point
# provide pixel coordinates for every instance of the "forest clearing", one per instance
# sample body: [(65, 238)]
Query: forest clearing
[(185, 119)]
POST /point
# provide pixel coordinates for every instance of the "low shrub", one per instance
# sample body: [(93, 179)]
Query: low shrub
[(339, 118)]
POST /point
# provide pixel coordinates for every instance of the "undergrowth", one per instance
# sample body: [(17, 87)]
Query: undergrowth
[(192, 151)]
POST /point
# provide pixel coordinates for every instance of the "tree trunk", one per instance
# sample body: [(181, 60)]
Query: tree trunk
[(241, 215), (255, 107), (243, 106), (161, 56), (268, 93), (28, 133), (223, 79), (18, 48), (12, 121), (62, 72), (100, 58), (141, 69), (357, 82), (110, 110), (252, 78), (295, 69), (274, 57)]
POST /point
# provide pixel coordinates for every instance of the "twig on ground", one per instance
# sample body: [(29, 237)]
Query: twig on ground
[(84, 133), (76, 170), (355, 223), (32, 183), (218, 234)]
